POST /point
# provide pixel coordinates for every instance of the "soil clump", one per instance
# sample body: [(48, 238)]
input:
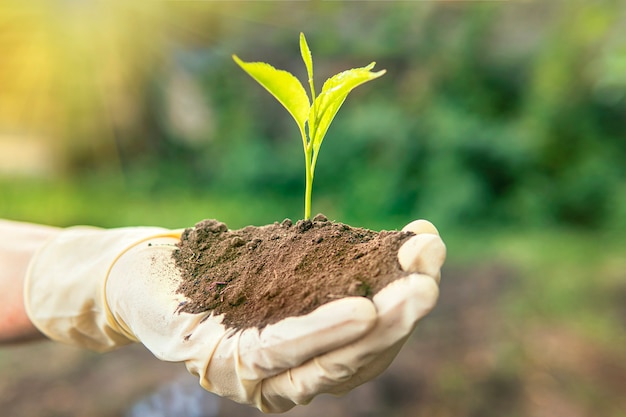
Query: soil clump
[(257, 276)]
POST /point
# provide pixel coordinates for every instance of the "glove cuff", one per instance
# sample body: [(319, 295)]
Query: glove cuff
[(64, 287)]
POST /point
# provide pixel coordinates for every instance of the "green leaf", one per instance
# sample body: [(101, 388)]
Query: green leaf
[(283, 86), (334, 93), (306, 56)]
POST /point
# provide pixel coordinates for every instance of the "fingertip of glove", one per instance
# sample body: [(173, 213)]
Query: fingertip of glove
[(423, 253), (421, 226), (429, 289), (416, 293)]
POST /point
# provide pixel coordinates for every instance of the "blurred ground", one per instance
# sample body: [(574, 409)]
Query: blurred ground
[(465, 359)]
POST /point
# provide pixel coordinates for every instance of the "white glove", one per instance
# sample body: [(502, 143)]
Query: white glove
[(102, 289)]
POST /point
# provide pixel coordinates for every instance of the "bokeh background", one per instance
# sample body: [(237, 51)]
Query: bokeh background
[(504, 123)]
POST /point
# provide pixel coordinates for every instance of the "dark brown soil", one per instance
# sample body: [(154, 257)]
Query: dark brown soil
[(257, 276)]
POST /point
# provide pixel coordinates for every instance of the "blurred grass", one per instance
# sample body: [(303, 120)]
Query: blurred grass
[(107, 201), (571, 277), (574, 277)]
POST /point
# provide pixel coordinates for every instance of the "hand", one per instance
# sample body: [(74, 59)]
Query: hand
[(399, 307), (333, 349)]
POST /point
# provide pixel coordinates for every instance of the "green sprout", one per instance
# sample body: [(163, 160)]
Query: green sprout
[(313, 116)]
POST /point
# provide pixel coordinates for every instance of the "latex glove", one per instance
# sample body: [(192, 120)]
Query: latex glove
[(123, 289)]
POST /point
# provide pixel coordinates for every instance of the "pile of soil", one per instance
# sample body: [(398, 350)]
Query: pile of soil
[(257, 276)]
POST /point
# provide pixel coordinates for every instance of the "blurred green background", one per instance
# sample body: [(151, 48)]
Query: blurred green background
[(504, 123)]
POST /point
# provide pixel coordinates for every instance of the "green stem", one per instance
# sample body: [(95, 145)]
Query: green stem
[(309, 154), (308, 147), (314, 162), (309, 183)]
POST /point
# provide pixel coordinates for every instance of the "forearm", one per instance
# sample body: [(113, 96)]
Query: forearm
[(18, 243)]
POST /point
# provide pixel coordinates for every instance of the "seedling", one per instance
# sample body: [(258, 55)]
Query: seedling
[(312, 115)]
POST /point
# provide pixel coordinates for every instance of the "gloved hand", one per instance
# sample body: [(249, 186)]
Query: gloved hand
[(101, 289)]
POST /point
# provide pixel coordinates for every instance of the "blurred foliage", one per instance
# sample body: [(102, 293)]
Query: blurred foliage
[(492, 113)]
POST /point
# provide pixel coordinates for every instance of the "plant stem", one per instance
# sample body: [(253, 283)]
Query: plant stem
[(310, 154), (309, 183), (308, 148)]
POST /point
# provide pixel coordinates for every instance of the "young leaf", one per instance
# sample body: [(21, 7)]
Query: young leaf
[(334, 93), (283, 86), (306, 56)]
